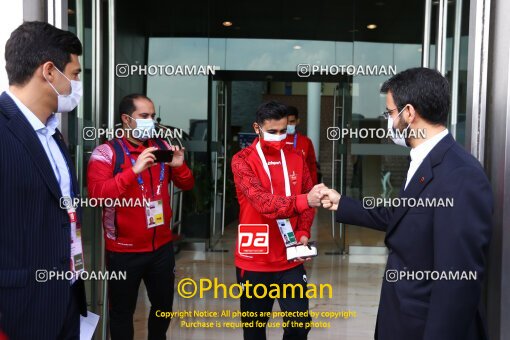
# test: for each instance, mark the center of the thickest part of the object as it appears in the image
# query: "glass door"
(446, 25)
(82, 20)
(87, 19)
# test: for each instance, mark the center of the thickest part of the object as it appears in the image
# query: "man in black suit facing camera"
(38, 236)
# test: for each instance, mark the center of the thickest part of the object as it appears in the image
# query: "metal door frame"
(218, 102)
(338, 108)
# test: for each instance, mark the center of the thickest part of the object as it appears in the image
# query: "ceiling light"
(296, 47)
(227, 23)
(372, 26)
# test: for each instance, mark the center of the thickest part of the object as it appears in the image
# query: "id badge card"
(77, 263)
(154, 214)
(286, 231)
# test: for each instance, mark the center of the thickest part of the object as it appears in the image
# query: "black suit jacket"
(433, 239)
(34, 232)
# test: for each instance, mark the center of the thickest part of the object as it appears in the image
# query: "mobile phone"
(163, 156)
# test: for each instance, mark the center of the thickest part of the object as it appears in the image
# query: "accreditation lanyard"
(288, 236)
(77, 263)
(139, 177)
(266, 168)
(295, 139)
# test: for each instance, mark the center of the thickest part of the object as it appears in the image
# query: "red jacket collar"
(136, 149)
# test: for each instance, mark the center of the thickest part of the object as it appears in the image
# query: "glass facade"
(254, 64)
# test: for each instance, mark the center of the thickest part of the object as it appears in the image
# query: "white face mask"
(291, 129)
(397, 136)
(144, 129)
(270, 137)
(67, 103)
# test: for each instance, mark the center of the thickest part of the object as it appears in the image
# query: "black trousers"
(296, 275)
(156, 269)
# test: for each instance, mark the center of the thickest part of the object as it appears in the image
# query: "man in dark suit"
(38, 236)
(437, 251)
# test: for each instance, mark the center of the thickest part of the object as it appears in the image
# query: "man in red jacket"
(300, 142)
(273, 185)
(133, 244)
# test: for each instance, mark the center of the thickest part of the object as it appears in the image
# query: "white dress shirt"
(419, 153)
(45, 134)
(55, 156)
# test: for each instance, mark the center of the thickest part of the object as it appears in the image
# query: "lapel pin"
(422, 179)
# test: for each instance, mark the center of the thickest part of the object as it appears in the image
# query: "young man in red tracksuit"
(285, 194)
(300, 142)
(138, 239)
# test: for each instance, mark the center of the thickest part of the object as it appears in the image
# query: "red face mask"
(272, 141)
(276, 146)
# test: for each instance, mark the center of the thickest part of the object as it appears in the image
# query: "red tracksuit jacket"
(259, 206)
(305, 145)
(125, 228)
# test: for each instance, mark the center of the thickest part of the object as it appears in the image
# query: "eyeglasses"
(386, 114)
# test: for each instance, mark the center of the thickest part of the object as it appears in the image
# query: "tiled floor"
(356, 282)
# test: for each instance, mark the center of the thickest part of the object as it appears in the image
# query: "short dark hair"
(270, 110)
(127, 104)
(32, 44)
(425, 89)
(292, 111)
